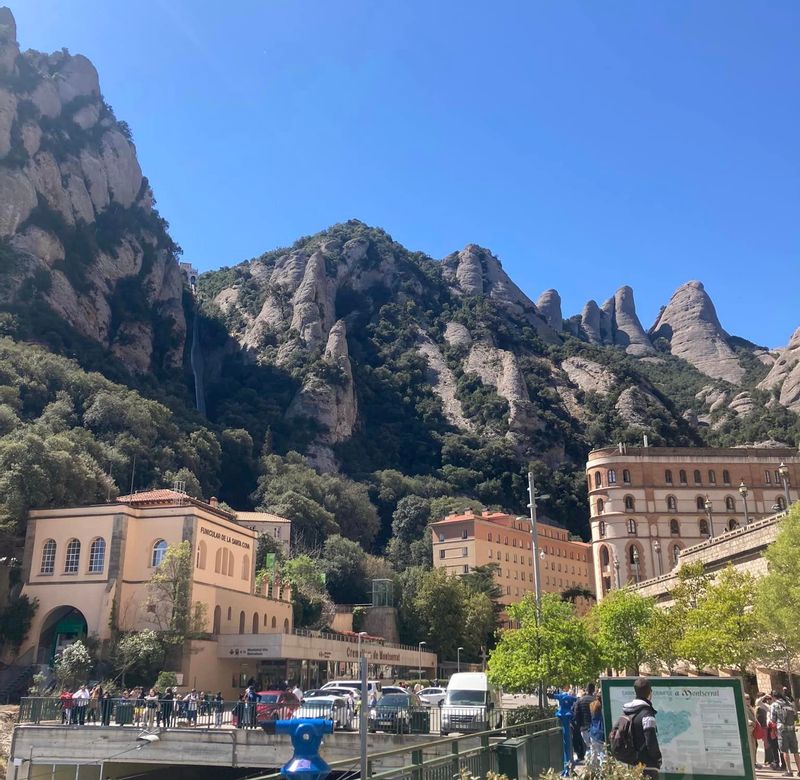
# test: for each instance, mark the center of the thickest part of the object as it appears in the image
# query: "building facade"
(462, 542)
(268, 524)
(649, 503)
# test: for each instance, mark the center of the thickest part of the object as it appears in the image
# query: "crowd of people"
(772, 722)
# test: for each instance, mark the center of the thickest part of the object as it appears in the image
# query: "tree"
(551, 646)
(343, 563)
(15, 620)
(440, 607)
(409, 527)
(480, 623)
(483, 580)
(722, 631)
(660, 639)
(72, 667)
(135, 651)
(311, 605)
(619, 621)
(268, 545)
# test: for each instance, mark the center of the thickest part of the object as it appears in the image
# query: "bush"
(166, 680)
(528, 714)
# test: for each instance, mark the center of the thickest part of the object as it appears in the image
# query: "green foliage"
(135, 653)
(168, 597)
(343, 563)
(166, 680)
(551, 645)
(15, 620)
(312, 606)
(618, 624)
(72, 666)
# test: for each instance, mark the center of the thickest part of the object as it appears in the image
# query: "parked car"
(400, 713)
(316, 693)
(387, 689)
(273, 705)
(471, 704)
(372, 685)
(433, 697)
(335, 708)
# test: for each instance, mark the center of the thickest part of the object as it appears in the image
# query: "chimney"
(213, 501)
(644, 440)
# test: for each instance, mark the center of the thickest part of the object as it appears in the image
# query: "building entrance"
(62, 627)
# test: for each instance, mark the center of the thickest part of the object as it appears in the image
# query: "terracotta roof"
(146, 496)
(263, 517)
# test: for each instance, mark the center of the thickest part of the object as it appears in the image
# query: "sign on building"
(701, 721)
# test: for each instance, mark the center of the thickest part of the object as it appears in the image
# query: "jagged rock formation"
(443, 381)
(549, 306)
(76, 216)
(785, 374)
(616, 324)
(689, 324)
(635, 406)
(588, 375)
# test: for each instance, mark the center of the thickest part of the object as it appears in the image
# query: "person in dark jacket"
(643, 727)
(582, 716)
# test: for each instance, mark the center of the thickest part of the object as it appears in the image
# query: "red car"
(276, 705)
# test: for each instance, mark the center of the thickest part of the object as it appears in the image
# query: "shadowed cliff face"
(78, 231)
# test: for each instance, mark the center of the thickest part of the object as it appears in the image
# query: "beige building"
(649, 503)
(267, 524)
(462, 542)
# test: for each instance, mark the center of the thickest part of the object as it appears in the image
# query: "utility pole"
(537, 582)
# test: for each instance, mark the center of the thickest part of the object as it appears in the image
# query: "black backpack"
(621, 744)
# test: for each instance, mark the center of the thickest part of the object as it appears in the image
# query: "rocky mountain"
(83, 251)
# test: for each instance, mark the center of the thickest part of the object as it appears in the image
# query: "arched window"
(612, 477)
(672, 504)
(217, 619)
(255, 622)
(246, 567)
(600, 506)
(682, 476)
(218, 561)
(712, 477)
(159, 551)
(632, 527)
(48, 557)
(286, 626)
(97, 556)
(230, 613)
(698, 477)
(241, 622)
(780, 501)
(604, 556)
(230, 564)
(726, 476)
(201, 555)
(668, 476)
(732, 524)
(626, 476)
(629, 503)
(674, 527)
(489, 537)
(274, 622)
(601, 528)
(73, 557)
(676, 551)
(701, 503)
(265, 620)
(730, 504)
(598, 479)
(703, 523)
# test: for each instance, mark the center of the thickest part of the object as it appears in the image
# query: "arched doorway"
(63, 626)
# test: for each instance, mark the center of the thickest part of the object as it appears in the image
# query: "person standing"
(219, 705)
(94, 704)
(80, 700)
(297, 692)
(644, 733)
(597, 731)
(582, 716)
(106, 708)
(150, 706)
(66, 706)
(784, 715)
(191, 700)
(251, 699)
(763, 701)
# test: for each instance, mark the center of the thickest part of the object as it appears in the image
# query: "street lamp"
(657, 549)
(458, 658)
(783, 470)
(361, 635)
(537, 579)
(419, 662)
(710, 516)
(636, 563)
(743, 492)
(616, 569)
(363, 673)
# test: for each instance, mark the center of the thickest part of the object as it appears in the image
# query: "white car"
(433, 697)
(386, 690)
(335, 708)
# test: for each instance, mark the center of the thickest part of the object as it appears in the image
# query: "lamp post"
(363, 672)
(636, 563)
(743, 492)
(537, 580)
(458, 659)
(783, 470)
(419, 661)
(710, 516)
(616, 569)
(657, 549)
(361, 635)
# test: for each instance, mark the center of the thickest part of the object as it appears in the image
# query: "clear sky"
(588, 144)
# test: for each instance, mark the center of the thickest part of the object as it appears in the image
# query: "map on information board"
(702, 726)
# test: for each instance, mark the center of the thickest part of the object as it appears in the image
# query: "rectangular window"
(491, 553)
(441, 537)
(777, 477)
(515, 557)
(768, 477)
(464, 552)
(466, 569)
(441, 553)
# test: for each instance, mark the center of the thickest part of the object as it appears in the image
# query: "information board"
(702, 724)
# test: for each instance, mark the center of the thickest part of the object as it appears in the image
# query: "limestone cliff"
(689, 324)
(784, 376)
(78, 231)
(616, 324)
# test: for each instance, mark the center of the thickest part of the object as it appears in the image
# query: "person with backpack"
(634, 738)
(597, 731)
(784, 715)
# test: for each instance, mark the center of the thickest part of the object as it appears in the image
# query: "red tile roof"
(149, 496)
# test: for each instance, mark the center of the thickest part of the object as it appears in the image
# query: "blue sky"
(588, 144)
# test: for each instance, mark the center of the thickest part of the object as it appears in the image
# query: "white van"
(471, 703)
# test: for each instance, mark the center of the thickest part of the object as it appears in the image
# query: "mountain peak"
(690, 324)
(616, 324)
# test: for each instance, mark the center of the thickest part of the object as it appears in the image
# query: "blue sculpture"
(306, 734)
(564, 714)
